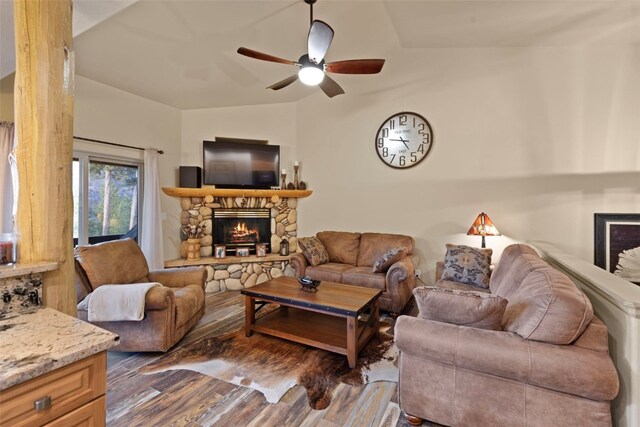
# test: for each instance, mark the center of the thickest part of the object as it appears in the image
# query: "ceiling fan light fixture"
(310, 75)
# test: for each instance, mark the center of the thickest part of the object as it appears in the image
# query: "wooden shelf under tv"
(232, 192)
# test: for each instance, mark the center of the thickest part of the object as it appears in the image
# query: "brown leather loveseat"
(351, 257)
(548, 366)
(171, 310)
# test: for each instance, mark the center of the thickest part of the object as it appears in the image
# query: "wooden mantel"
(226, 192)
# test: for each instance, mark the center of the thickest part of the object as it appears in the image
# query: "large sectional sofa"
(351, 257)
(547, 366)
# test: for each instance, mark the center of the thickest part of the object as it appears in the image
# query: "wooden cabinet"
(69, 396)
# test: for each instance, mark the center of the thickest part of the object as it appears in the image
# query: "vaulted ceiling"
(182, 53)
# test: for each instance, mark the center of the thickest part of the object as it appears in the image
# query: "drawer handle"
(43, 403)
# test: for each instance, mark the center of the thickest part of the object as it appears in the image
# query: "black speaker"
(190, 176)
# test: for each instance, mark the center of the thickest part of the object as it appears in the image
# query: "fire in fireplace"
(238, 228)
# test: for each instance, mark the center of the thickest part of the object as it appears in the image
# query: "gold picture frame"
(242, 251)
(261, 249)
(220, 251)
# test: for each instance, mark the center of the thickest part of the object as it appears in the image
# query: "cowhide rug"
(272, 366)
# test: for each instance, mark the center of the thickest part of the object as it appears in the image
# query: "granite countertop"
(37, 342)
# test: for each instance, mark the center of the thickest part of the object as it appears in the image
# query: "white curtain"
(151, 230)
(7, 184)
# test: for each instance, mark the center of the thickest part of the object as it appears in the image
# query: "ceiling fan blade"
(355, 66)
(284, 83)
(330, 87)
(319, 40)
(263, 56)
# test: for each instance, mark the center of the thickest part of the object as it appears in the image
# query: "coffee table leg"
(249, 315)
(376, 318)
(352, 333)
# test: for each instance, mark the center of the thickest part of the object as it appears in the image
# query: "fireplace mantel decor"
(230, 192)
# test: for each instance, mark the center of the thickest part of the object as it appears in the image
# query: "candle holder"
(8, 248)
(283, 181)
(296, 180)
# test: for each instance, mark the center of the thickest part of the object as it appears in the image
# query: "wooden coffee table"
(330, 319)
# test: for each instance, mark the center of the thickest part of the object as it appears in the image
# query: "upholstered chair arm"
(400, 281)
(158, 298)
(179, 277)
(564, 368)
(299, 263)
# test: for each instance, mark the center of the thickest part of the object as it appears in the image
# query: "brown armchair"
(171, 310)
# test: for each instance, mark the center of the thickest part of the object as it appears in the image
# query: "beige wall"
(540, 139)
(105, 113)
(6, 98)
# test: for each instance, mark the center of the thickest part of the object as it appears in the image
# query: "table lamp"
(483, 226)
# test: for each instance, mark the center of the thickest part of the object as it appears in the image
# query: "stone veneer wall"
(239, 275)
(236, 276)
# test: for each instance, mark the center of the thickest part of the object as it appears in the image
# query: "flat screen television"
(240, 165)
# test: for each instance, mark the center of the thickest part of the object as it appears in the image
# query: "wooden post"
(44, 122)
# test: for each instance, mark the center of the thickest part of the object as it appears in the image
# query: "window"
(106, 198)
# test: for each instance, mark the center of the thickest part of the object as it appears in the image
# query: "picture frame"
(617, 244)
(261, 249)
(220, 251)
(242, 251)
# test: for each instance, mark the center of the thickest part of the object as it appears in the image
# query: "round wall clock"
(404, 140)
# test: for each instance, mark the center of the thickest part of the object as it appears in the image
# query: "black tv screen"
(240, 165)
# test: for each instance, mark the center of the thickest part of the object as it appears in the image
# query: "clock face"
(404, 140)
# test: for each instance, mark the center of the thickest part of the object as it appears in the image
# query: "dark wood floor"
(187, 398)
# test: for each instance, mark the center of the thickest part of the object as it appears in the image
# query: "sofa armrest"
(299, 263)
(179, 277)
(159, 298)
(564, 368)
(400, 281)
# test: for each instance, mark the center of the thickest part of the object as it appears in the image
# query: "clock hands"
(401, 140)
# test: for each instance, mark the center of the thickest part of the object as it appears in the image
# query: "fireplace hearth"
(242, 228)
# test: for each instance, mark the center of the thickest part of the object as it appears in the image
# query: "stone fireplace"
(241, 227)
(277, 219)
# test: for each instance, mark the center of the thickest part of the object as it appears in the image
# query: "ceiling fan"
(312, 67)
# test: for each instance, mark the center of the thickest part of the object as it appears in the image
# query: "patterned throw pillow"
(313, 250)
(467, 265)
(465, 308)
(392, 256)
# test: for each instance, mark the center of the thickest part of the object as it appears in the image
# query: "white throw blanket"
(113, 303)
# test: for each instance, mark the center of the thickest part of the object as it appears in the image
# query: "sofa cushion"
(467, 265)
(548, 307)
(389, 258)
(374, 245)
(466, 308)
(341, 246)
(362, 276)
(330, 272)
(96, 261)
(510, 253)
(512, 277)
(448, 284)
(313, 250)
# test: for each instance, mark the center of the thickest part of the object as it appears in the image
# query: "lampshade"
(483, 226)
(311, 75)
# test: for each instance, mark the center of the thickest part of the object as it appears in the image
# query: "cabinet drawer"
(68, 387)
(90, 415)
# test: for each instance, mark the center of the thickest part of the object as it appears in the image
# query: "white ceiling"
(182, 53)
